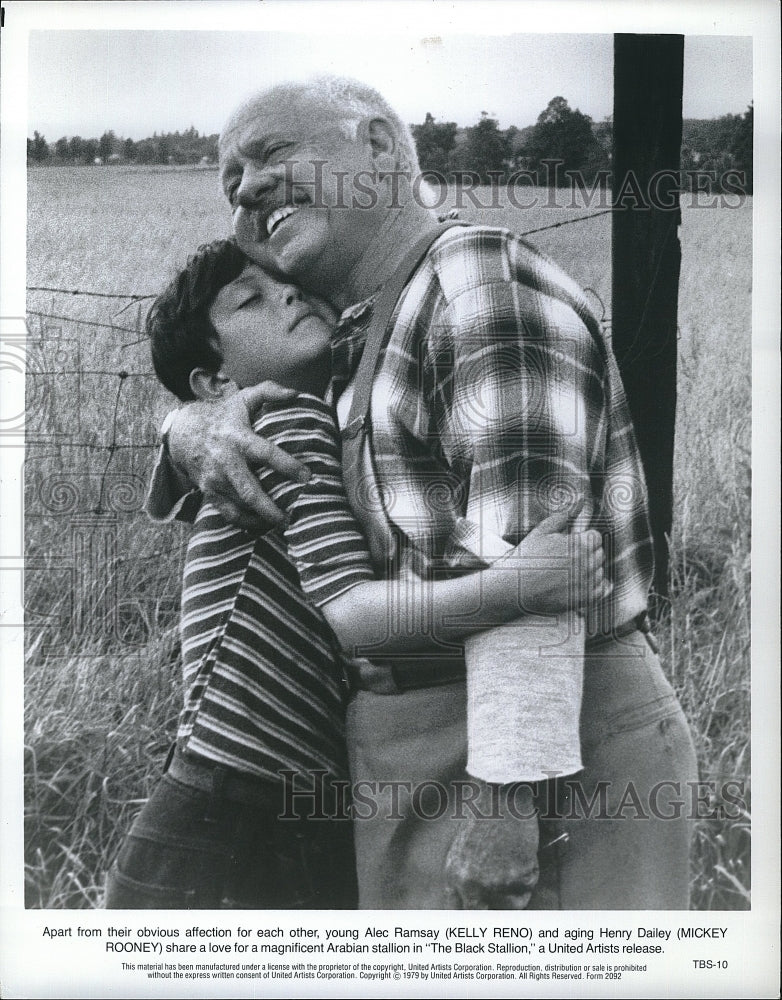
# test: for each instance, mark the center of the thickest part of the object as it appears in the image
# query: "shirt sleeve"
(167, 498)
(323, 538)
(516, 412)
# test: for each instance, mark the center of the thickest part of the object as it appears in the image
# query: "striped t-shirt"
(262, 673)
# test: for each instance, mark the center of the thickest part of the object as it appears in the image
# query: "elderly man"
(495, 400)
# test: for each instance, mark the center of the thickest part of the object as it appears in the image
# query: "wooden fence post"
(646, 257)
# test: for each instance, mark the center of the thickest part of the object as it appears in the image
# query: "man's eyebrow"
(258, 149)
(253, 149)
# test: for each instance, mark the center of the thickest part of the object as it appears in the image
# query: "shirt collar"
(347, 343)
(350, 335)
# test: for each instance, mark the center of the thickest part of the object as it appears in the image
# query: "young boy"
(262, 715)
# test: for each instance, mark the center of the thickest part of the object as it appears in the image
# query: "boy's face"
(270, 330)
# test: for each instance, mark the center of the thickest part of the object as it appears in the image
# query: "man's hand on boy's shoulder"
(215, 446)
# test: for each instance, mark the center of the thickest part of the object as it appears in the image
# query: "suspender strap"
(379, 330)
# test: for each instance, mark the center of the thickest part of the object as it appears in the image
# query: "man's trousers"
(616, 836)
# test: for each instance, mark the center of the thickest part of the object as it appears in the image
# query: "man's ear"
(210, 386)
(379, 134)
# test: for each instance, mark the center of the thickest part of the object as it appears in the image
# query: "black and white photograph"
(390, 496)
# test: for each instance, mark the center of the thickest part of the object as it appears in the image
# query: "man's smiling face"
(290, 180)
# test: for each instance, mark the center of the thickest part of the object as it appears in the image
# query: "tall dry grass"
(102, 674)
(706, 635)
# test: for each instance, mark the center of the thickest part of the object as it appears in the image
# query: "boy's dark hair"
(181, 334)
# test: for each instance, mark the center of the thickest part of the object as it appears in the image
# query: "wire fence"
(95, 587)
(89, 510)
(112, 445)
(94, 295)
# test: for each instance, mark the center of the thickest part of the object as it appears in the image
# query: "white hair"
(340, 101)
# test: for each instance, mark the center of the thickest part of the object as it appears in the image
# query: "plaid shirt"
(497, 403)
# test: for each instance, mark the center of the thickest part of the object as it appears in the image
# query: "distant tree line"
(562, 142)
(711, 147)
(177, 148)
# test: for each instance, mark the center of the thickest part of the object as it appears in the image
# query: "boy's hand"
(215, 446)
(558, 571)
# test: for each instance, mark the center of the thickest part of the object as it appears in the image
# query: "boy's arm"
(392, 617)
(170, 496)
(547, 574)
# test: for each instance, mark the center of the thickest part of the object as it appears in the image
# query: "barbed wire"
(94, 446)
(604, 320)
(137, 297)
(113, 446)
(95, 295)
(93, 371)
(86, 322)
(568, 222)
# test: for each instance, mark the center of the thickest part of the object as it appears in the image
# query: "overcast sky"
(138, 82)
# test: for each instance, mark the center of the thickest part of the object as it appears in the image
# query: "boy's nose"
(290, 294)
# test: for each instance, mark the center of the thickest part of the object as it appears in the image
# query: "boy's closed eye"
(251, 299)
(269, 330)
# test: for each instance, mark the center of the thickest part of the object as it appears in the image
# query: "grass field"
(102, 587)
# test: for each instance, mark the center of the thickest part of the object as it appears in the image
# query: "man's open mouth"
(279, 215)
